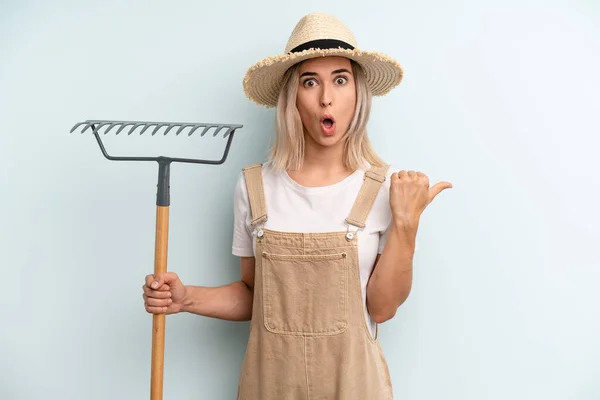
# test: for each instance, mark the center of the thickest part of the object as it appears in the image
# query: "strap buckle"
(350, 235)
(258, 225)
(375, 176)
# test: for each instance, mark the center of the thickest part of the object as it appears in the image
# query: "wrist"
(405, 229)
(187, 302)
(406, 223)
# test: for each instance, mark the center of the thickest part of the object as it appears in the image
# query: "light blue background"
(500, 98)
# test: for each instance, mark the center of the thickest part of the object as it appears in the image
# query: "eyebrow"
(337, 71)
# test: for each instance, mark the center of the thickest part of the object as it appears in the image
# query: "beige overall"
(308, 335)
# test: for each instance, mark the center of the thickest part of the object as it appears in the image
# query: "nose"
(326, 97)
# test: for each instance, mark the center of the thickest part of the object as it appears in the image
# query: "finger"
(161, 279)
(437, 188)
(148, 280)
(411, 174)
(150, 302)
(402, 174)
(163, 288)
(157, 294)
(156, 310)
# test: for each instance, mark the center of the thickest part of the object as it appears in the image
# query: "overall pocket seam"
(343, 286)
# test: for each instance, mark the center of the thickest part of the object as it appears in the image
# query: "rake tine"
(206, 129)
(182, 128)
(112, 125)
(217, 130)
(89, 123)
(171, 126)
(146, 127)
(76, 126)
(231, 128)
(134, 128)
(193, 130)
(158, 127)
(97, 128)
(123, 126)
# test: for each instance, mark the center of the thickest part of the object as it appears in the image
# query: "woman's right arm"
(232, 302)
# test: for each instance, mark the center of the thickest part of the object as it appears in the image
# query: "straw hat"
(319, 35)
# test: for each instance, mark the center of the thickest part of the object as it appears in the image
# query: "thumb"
(162, 278)
(437, 188)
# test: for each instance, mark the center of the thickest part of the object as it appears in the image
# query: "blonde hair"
(288, 150)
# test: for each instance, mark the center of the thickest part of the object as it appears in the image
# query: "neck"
(321, 166)
(328, 159)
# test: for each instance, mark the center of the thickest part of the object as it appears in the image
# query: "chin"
(327, 140)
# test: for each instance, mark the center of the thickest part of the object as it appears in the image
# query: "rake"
(162, 208)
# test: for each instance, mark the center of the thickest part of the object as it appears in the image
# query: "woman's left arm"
(391, 280)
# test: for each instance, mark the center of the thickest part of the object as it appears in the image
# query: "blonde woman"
(325, 229)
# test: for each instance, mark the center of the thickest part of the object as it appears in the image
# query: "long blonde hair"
(288, 150)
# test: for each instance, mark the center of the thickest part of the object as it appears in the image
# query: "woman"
(325, 230)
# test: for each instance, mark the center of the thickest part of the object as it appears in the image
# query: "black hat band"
(322, 44)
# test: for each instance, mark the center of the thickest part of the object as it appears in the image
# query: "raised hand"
(410, 194)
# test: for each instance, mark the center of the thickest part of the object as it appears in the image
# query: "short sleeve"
(383, 235)
(382, 239)
(242, 245)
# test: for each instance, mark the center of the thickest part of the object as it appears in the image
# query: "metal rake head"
(97, 125)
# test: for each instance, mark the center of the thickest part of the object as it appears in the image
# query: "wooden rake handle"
(158, 320)
(161, 248)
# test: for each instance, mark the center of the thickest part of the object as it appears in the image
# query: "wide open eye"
(311, 82)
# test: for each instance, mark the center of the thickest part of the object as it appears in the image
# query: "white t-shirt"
(295, 208)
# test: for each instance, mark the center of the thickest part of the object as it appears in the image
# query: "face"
(326, 99)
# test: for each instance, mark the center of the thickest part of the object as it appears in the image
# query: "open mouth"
(328, 124)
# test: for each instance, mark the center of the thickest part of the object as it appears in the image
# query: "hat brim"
(263, 80)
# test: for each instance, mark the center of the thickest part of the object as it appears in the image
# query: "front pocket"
(305, 294)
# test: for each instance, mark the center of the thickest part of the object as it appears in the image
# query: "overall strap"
(373, 180)
(256, 194)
